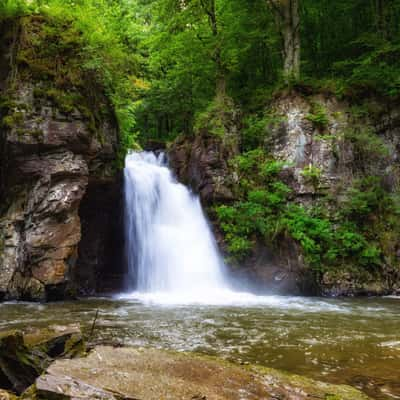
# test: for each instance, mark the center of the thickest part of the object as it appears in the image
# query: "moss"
(217, 119)
(74, 346)
(30, 393)
(13, 120)
(318, 116)
(312, 175)
(50, 51)
(51, 54)
(37, 133)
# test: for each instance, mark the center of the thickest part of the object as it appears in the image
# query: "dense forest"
(174, 69)
(164, 62)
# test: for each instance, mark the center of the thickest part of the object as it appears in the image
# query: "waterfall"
(170, 247)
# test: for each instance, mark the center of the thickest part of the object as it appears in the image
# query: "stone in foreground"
(23, 357)
(64, 387)
(150, 374)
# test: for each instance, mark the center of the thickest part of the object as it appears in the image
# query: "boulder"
(23, 357)
(19, 366)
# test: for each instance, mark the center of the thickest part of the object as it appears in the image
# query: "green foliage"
(215, 118)
(365, 199)
(368, 147)
(312, 175)
(12, 8)
(247, 162)
(166, 58)
(256, 128)
(318, 116)
(328, 239)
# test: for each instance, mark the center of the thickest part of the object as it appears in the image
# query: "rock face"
(202, 161)
(314, 136)
(279, 270)
(55, 141)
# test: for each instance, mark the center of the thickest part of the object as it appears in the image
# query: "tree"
(209, 8)
(288, 22)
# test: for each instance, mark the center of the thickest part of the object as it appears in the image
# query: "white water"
(170, 248)
(171, 252)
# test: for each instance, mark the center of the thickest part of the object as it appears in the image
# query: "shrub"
(318, 116)
(312, 175)
(368, 147)
(327, 240)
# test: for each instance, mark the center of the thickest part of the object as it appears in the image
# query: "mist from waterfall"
(170, 248)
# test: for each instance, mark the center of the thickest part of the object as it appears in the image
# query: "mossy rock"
(24, 357)
(57, 341)
(49, 59)
(19, 366)
(5, 395)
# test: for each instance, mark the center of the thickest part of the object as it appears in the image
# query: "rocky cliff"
(325, 147)
(58, 143)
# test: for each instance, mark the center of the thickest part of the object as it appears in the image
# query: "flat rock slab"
(62, 387)
(151, 374)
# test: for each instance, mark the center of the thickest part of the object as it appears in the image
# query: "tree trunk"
(288, 21)
(292, 39)
(381, 14)
(220, 80)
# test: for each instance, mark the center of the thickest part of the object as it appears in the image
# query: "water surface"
(354, 341)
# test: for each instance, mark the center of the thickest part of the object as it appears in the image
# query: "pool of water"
(353, 341)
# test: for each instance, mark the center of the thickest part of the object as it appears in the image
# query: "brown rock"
(51, 147)
(65, 387)
(151, 374)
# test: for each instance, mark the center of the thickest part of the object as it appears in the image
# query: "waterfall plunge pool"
(353, 341)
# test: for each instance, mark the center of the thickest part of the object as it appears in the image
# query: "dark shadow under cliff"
(101, 265)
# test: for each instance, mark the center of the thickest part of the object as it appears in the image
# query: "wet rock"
(353, 283)
(156, 374)
(23, 357)
(57, 340)
(19, 367)
(277, 271)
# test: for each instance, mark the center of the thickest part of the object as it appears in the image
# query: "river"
(353, 341)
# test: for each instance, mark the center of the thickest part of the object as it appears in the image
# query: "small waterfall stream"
(170, 247)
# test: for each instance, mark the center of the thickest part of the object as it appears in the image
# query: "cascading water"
(170, 248)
